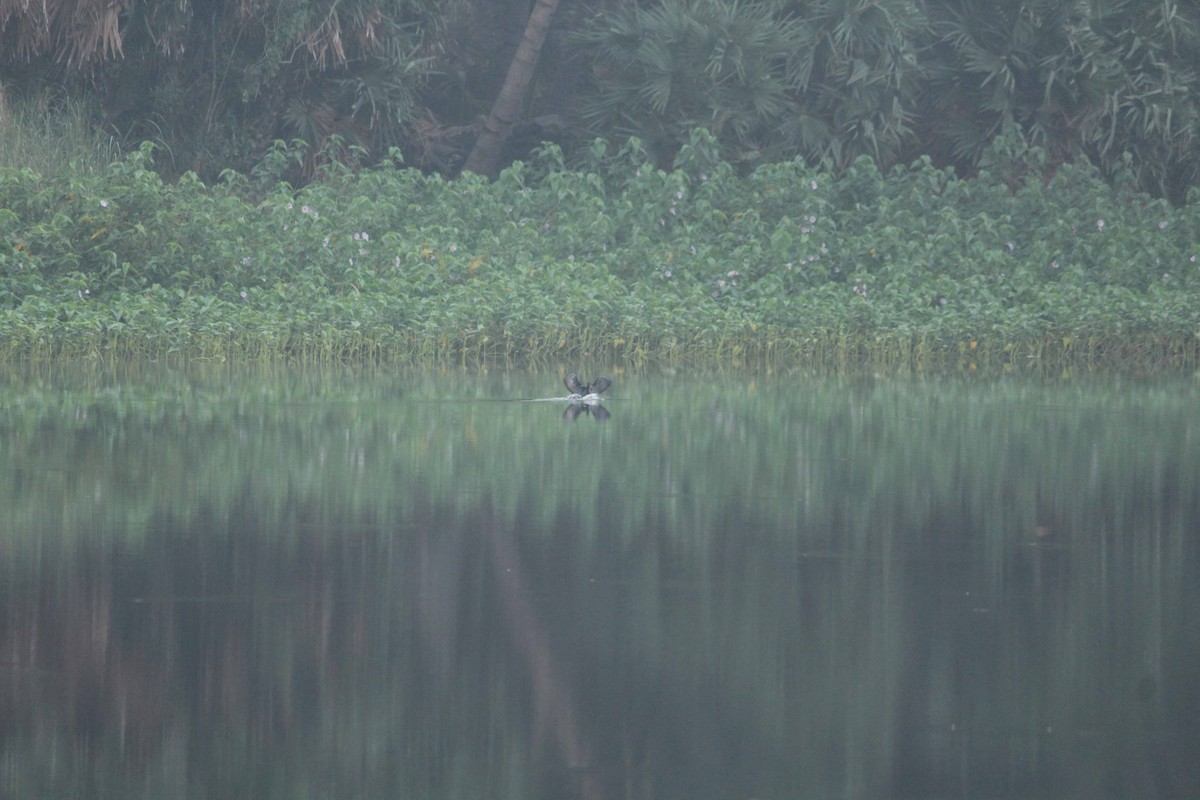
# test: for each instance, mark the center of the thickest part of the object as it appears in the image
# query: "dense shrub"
(637, 261)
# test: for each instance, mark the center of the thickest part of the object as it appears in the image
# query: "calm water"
(302, 584)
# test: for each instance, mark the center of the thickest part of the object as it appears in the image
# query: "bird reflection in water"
(585, 398)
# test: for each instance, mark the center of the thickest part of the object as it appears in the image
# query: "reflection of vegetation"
(232, 570)
(342, 446)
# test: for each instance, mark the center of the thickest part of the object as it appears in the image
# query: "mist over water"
(220, 582)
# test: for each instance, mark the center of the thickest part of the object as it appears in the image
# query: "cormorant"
(574, 386)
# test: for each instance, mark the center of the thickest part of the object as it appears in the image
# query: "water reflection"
(594, 410)
(366, 585)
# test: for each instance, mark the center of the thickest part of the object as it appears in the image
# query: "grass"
(54, 136)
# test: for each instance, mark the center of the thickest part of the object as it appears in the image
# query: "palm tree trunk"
(485, 155)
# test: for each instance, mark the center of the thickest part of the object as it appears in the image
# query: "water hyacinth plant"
(916, 266)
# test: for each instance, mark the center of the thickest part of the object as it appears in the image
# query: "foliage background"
(217, 82)
(913, 266)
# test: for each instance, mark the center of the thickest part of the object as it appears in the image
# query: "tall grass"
(53, 134)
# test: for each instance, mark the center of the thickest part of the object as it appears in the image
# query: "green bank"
(609, 257)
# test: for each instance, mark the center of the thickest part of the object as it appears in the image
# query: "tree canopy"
(1112, 81)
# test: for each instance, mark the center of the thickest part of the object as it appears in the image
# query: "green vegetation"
(217, 83)
(824, 80)
(907, 183)
(214, 83)
(915, 267)
(54, 136)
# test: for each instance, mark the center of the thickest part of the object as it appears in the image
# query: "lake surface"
(286, 583)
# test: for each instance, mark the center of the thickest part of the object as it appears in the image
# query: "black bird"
(574, 386)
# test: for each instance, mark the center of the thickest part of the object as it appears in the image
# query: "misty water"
(224, 582)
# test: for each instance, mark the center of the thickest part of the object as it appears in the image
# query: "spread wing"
(600, 384)
(573, 384)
